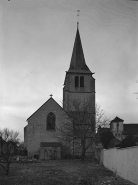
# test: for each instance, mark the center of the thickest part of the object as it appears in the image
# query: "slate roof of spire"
(77, 59)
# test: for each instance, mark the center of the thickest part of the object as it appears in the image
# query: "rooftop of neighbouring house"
(130, 129)
(103, 129)
(117, 119)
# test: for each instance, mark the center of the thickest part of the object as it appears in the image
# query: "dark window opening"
(82, 81)
(51, 121)
(76, 81)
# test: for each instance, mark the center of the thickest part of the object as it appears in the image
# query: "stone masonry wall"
(86, 93)
(36, 129)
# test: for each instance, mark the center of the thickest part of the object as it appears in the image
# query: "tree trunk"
(83, 156)
(8, 167)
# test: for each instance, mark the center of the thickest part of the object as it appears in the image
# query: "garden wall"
(122, 161)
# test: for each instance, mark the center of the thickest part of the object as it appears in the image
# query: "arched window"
(82, 81)
(51, 119)
(76, 81)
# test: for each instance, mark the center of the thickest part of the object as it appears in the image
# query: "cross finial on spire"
(51, 95)
(78, 18)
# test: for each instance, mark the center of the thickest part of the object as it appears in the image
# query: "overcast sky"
(36, 43)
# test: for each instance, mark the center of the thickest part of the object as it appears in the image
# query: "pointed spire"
(77, 59)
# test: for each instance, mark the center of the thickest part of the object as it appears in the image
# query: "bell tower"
(79, 83)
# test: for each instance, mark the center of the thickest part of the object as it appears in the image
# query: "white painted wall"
(122, 161)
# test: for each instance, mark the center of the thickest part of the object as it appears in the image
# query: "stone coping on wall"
(117, 148)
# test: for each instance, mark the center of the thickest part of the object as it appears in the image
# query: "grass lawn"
(59, 172)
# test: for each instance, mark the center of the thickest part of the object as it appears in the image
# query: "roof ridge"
(43, 105)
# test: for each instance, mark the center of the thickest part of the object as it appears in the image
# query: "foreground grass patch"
(59, 172)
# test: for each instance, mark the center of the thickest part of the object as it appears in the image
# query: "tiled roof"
(117, 119)
(104, 129)
(130, 129)
(50, 144)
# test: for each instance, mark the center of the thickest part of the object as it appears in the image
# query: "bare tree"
(101, 119)
(9, 141)
(78, 125)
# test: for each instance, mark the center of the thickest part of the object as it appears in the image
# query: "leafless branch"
(9, 139)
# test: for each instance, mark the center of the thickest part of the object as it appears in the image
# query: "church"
(40, 133)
